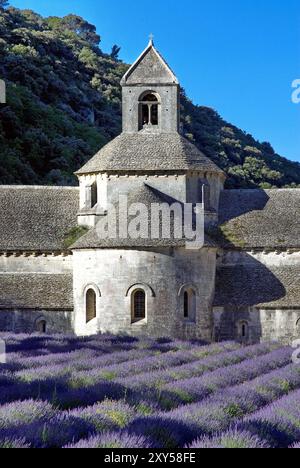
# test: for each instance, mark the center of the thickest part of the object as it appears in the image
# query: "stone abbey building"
(243, 283)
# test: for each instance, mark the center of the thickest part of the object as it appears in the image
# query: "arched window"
(91, 305)
(148, 109)
(138, 305)
(41, 326)
(243, 330)
(189, 305)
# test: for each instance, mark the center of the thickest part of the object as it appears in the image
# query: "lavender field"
(121, 392)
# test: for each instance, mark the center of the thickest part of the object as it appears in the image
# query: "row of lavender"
(123, 392)
(274, 426)
(67, 386)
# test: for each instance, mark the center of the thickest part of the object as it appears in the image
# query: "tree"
(89, 58)
(267, 147)
(82, 28)
(115, 52)
(4, 3)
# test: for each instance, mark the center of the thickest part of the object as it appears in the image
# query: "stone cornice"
(26, 254)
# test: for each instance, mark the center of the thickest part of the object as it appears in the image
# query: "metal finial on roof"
(151, 37)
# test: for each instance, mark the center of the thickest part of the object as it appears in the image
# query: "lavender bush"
(196, 389)
(13, 444)
(25, 412)
(109, 415)
(278, 423)
(114, 440)
(156, 380)
(233, 439)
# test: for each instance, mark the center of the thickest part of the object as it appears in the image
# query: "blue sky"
(238, 56)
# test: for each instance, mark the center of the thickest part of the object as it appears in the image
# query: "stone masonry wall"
(25, 321)
(263, 323)
(115, 274)
(168, 109)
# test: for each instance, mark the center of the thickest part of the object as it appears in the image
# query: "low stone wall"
(280, 325)
(26, 321)
(260, 325)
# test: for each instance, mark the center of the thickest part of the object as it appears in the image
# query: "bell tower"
(150, 95)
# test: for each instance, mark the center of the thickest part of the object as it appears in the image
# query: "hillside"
(64, 103)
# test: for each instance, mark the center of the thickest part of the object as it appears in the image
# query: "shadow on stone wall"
(25, 320)
(241, 290)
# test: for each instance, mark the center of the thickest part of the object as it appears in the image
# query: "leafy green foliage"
(73, 235)
(247, 162)
(115, 52)
(64, 104)
(3, 3)
(63, 97)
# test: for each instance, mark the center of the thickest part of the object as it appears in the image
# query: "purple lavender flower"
(163, 431)
(60, 391)
(232, 439)
(14, 444)
(55, 433)
(109, 415)
(25, 412)
(87, 396)
(196, 389)
(296, 446)
(277, 423)
(113, 440)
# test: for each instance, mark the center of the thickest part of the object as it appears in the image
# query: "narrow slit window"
(186, 305)
(243, 332)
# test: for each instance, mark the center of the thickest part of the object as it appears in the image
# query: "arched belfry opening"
(149, 104)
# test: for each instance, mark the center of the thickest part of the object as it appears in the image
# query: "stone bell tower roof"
(144, 152)
(151, 140)
(150, 68)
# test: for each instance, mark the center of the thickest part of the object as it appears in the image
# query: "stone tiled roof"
(149, 152)
(36, 291)
(147, 196)
(260, 218)
(257, 285)
(36, 218)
